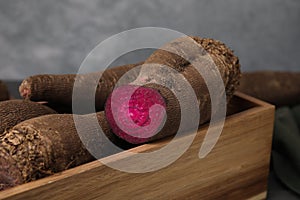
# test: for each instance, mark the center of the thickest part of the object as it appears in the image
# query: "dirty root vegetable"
(57, 90)
(39, 147)
(4, 94)
(13, 112)
(226, 63)
(276, 87)
(48, 144)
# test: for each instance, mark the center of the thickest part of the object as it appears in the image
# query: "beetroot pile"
(37, 141)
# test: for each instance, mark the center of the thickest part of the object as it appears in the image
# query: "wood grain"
(237, 168)
(260, 196)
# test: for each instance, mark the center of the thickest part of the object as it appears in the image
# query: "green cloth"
(286, 147)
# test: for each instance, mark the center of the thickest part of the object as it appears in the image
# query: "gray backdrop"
(54, 36)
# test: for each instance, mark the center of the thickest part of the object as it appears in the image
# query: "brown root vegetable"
(275, 87)
(4, 94)
(48, 144)
(219, 54)
(58, 89)
(13, 112)
(226, 63)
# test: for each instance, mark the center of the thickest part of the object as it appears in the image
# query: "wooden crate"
(237, 167)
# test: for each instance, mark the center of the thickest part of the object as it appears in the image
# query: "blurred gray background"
(54, 36)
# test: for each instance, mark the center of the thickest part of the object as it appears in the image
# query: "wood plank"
(237, 168)
(261, 196)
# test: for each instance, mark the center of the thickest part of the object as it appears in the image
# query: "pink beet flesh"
(135, 113)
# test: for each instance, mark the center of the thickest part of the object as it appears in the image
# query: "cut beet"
(135, 113)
